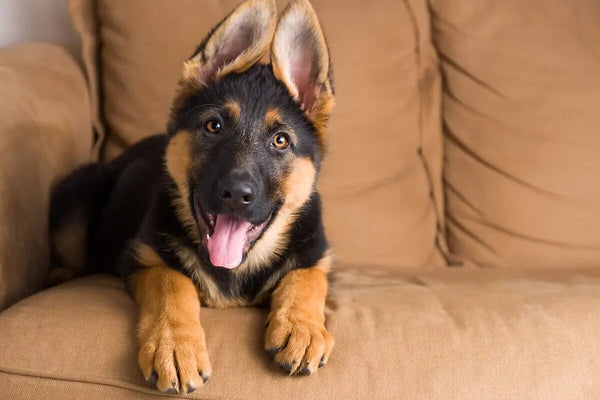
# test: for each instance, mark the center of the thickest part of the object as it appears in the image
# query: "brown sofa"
(461, 196)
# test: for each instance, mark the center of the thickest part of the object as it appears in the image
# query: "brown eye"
(213, 125)
(280, 141)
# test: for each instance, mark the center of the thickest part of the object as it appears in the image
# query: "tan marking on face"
(299, 184)
(178, 162)
(272, 118)
(297, 188)
(234, 110)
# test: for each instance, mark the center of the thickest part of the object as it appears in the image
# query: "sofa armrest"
(45, 131)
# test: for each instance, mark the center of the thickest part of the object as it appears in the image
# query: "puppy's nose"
(237, 192)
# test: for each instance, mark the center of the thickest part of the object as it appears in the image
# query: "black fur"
(130, 200)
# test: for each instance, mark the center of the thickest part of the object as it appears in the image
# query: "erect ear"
(300, 59)
(235, 44)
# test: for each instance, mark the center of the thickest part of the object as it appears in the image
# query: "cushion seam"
(89, 35)
(440, 235)
(112, 383)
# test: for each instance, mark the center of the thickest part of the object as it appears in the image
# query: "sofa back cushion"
(521, 112)
(381, 182)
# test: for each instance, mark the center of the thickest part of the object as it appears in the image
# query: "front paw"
(173, 356)
(299, 343)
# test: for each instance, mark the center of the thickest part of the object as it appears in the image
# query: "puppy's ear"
(300, 59)
(235, 44)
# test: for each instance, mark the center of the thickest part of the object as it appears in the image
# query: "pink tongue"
(226, 245)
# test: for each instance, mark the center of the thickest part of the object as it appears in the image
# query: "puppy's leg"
(296, 334)
(172, 345)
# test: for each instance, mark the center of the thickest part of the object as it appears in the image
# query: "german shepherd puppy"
(222, 211)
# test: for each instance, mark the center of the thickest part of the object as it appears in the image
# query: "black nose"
(237, 192)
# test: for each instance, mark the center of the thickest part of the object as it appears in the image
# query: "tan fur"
(264, 295)
(208, 291)
(262, 12)
(172, 341)
(234, 109)
(296, 323)
(299, 16)
(69, 242)
(191, 71)
(298, 187)
(299, 184)
(319, 115)
(147, 256)
(272, 117)
(178, 162)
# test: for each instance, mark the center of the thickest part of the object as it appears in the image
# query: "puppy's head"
(247, 139)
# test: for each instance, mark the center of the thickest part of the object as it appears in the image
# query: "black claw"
(304, 371)
(287, 367)
(173, 388)
(204, 377)
(272, 352)
(152, 378)
(322, 362)
(190, 388)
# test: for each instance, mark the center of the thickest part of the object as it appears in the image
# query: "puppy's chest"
(224, 288)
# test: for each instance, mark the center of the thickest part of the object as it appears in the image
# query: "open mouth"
(227, 237)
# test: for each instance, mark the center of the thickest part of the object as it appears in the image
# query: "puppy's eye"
(280, 141)
(213, 125)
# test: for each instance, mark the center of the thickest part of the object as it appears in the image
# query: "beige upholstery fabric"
(382, 198)
(414, 334)
(521, 112)
(87, 28)
(44, 133)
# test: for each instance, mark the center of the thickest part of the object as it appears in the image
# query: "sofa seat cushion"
(455, 333)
